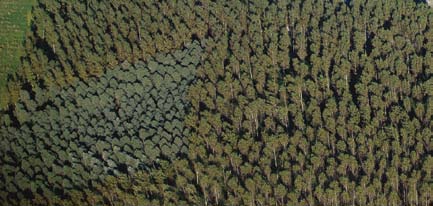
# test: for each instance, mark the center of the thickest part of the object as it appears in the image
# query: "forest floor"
(15, 17)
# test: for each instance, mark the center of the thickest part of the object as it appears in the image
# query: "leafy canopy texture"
(128, 119)
(312, 102)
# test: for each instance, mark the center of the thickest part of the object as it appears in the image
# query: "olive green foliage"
(313, 103)
(294, 102)
(15, 16)
(128, 119)
(79, 39)
(317, 103)
(141, 188)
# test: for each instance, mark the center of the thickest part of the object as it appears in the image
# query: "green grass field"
(15, 18)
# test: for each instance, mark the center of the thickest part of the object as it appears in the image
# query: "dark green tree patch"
(110, 125)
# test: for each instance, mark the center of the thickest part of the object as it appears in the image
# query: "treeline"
(294, 103)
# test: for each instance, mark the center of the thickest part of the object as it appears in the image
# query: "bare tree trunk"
(302, 101)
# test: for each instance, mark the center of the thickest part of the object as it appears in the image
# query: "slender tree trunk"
(302, 101)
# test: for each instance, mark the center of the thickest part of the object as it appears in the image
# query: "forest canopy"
(244, 102)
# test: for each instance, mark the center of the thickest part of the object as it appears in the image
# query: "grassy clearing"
(15, 18)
